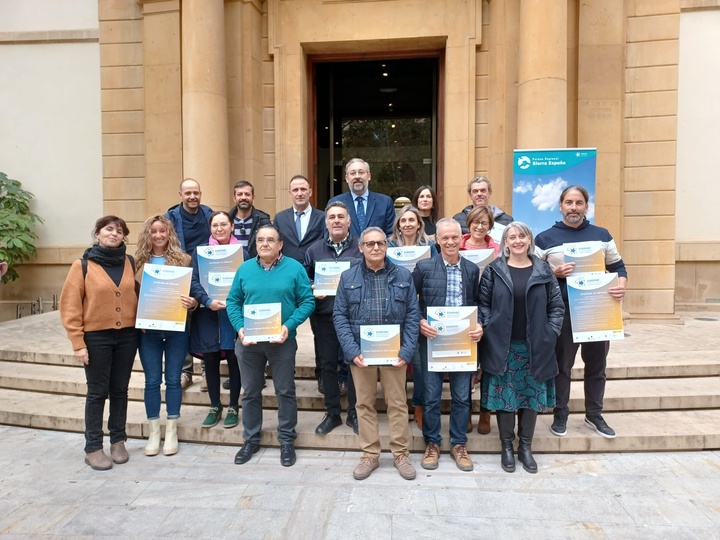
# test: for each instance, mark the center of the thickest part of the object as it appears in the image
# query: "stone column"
(542, 80)
(204, 100)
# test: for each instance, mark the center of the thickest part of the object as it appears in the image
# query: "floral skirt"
(516, 388)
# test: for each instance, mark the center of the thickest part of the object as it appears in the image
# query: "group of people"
(523, 333)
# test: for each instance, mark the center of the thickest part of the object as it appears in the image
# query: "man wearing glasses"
(367, 209)
(247, 219)
(480, 191)
(269, 278)
(376, 292)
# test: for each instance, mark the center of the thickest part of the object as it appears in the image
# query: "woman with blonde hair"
(409, 230)
(158, 243)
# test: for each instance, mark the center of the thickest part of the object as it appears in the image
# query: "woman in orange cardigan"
(98, 304)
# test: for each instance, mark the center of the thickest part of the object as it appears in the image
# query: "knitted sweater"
(95, 303)
(287, 283)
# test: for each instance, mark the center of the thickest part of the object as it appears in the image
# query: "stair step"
(620, 395)
(637, 431)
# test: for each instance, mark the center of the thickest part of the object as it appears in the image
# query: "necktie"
(298, 225)
(361, 213)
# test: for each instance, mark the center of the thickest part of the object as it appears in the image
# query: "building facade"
(264, 89)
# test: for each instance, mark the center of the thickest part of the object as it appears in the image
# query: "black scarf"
(106, 257)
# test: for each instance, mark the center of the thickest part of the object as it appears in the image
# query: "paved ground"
(47, 490)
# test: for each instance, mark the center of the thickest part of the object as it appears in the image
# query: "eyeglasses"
(478, 224)
(372, 243)
(268, 240)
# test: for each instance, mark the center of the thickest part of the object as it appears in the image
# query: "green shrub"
(17, 238)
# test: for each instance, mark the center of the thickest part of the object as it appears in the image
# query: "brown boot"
(470, 425)
(484, 423)
(98, 460)
(118, 453)
(418, 416)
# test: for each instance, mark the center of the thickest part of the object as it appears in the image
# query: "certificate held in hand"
(380, 344)
(408, 256)
(587, 256)
(452, 349)
(263, 322)
(159, 306)
(327, 277)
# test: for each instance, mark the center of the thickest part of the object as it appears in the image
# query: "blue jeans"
(153, 343)
(460, 408)
(111, 354)
(253, 359)
(419, 363)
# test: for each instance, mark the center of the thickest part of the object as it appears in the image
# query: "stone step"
(620, 395)
(637, 366)
(637, 431)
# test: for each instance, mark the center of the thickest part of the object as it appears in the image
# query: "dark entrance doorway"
(383, 111)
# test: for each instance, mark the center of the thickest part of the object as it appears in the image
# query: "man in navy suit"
(301, 225)
(367, 209)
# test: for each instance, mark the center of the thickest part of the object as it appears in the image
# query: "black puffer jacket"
(544, 308)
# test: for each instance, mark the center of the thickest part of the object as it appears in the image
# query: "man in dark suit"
(367, 209)
(301, 225)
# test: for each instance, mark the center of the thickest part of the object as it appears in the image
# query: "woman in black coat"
(522, 313)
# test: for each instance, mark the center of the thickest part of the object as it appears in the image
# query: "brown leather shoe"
(404, 467)
(418, 416)
(366, 466)
(460, 455)
(118, 453)
(98, 460)
(185, 380)
(431, 457)
(484, 423)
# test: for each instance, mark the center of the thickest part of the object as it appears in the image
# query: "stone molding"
(87, 35)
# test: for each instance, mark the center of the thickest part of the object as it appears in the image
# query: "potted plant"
(17, 238)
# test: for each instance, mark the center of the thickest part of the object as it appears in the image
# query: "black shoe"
(343, 388)
(507, 457)
(226, 384)
(559, 426)
(246, 452)
(597, 423)
(287, 455)
(352, 422)
(321, 388)
(330, 422)
(526, 458)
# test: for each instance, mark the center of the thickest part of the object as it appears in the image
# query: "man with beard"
(246, 218)
(574, 228)
(367, 209)
(480, 191)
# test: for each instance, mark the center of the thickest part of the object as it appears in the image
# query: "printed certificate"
(497, 231)
(216, 268)
(594, 314)
(159, 306)
(380, 344)
(587, 256)
(481, 257)
(408, 256)
(327, 277)
(263, 322)
(452, 349)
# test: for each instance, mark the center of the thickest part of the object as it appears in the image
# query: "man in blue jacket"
(376, 292)
(367, 209)
(338, 245)
(446, 280)
(192, 225)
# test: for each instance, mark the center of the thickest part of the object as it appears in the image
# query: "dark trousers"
(327, 350)
(212, 374)
(594, 356)
(111, 354)
(253, 359)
